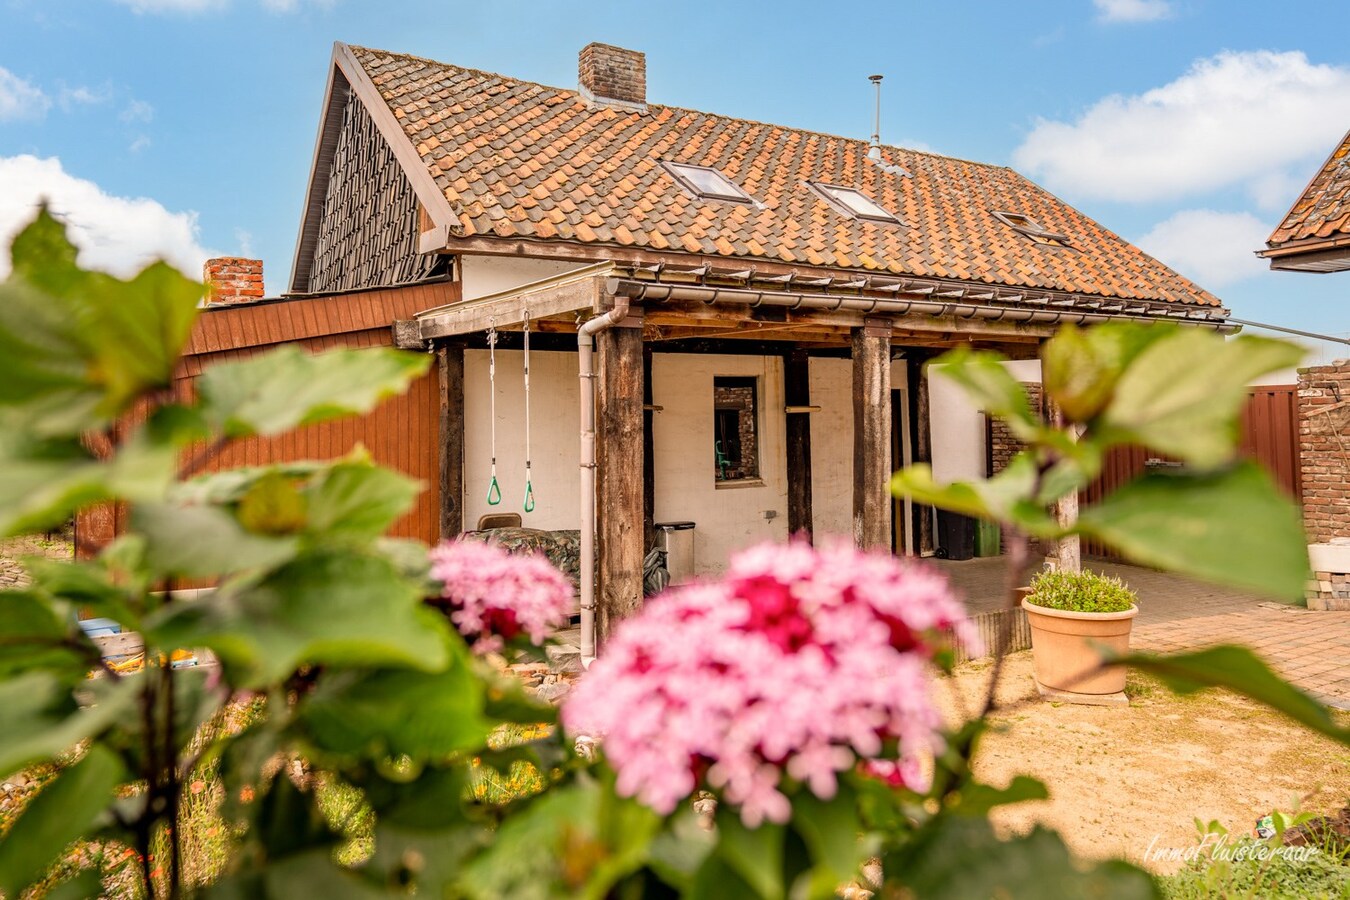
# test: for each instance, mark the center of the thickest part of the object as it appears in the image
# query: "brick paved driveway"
(1311, 649)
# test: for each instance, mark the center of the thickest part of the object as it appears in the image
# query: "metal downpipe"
(586, 372)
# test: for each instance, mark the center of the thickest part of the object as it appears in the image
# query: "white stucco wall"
(483, 275)
(555, 412)
(727, 518)
(832, 444)
(958, 428)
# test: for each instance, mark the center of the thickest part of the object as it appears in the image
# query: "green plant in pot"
(1073, 617)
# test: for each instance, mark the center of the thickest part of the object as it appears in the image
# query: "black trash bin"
(956, 535)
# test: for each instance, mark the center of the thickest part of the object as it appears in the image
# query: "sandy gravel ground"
(1122, 779)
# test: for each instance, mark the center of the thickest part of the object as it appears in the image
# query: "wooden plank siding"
(402, 433)
(1269, 436)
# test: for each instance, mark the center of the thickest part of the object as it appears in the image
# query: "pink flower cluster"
(799, 661)
(493, 596)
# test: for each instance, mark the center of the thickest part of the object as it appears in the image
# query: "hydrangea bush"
(494, 598)
(796, 665)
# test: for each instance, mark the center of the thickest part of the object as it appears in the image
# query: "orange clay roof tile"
(1323, 210)
(590, 175)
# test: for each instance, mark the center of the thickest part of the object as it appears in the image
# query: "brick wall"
(233, 279)
(613, 73)
(1002, 446)
(740, 399)
(1324, 444)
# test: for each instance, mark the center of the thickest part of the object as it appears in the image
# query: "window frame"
(673, 168)
(753, 383)
(824, 189)
(1025, 225)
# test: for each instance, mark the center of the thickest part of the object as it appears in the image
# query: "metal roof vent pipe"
(874, 152)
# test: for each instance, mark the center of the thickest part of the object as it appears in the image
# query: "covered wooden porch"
(649, 311)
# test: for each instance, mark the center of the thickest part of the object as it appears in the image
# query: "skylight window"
(1033, 229)
(707, 183)
(853, 202)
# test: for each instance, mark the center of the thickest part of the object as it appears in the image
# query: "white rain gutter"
(586, 366)
(646, 291)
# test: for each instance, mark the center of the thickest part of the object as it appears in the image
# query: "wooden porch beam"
(921, 445)
(571, 293)
(797, 392)
(450, 369)
(619, 492)
(872, 435)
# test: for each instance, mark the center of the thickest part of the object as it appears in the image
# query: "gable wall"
(368, 230)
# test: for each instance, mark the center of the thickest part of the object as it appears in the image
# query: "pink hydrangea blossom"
(800, 661)
(493, 596)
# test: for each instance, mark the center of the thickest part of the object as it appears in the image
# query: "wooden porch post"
(1068, 552)
(872, 434)
(921, 448)
(797, 392)
(648, 455)
(619, 477)
(450, 368)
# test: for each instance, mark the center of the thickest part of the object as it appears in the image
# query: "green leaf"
(991, 386)
(359, 500)
(77, 348)
(34, 635)
(575, 841)
(832, 831)
(976, 799)
(1007, 497)
(272, 506)
(756, 854)
(1238, 669)
(203, 542)
(961, 857)
(421, 715)
(1184, 393)
(40, 719)
(1081, 366)
(342, 607)
(1203, 525)
(62, 812)
(285, 388)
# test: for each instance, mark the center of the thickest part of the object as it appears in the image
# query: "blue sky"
(185, 127)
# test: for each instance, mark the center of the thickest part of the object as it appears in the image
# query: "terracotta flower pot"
(1062, 647)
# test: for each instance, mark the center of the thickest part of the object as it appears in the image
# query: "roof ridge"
(686, 109)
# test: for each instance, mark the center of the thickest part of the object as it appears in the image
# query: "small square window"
(735, 429)
(853, 202)
(707, 183)
(1033, 229)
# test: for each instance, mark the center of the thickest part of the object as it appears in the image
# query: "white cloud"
(137, 111)
(243, 238)
(1213, 248)
(1132, 10)
(190, 7)
(83, 95)
(142, 141)
(173, 6)
(118, 234)
(1232, 119)
(20, 99)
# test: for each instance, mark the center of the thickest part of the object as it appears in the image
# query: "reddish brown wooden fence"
(401, 433)
(1269, 436)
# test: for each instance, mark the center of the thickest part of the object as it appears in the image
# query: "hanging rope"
(494, 495)
(529, 485)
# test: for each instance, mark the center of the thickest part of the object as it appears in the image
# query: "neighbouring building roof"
(1315, 233)
(519, 161)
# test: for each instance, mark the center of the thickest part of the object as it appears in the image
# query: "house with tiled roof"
(1314, 236)
(661, 315)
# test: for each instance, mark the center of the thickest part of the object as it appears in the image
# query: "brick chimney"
(613, 76)
(233, 279)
